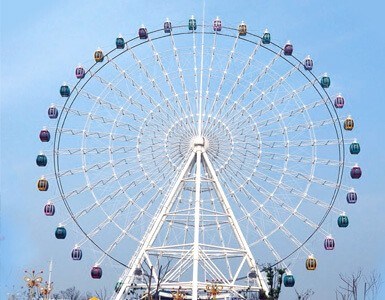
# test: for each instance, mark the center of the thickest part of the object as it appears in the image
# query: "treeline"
(73, 293)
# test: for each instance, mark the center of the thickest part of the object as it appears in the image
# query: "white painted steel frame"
(197, 158)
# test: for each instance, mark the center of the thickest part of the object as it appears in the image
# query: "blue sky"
(42, 42)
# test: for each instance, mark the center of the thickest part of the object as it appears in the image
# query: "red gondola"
(96, 272)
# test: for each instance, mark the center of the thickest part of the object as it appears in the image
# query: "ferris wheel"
(201, 151)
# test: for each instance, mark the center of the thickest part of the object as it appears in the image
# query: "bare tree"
(349, 288)
(56, 296)
(162, 272)
(101, 293)
(372, 285)
(71, 293)
(304, 295)
(352, 284)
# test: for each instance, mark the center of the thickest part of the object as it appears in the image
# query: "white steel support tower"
(196, 264)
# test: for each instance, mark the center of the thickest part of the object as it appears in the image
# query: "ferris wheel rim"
(62, 119)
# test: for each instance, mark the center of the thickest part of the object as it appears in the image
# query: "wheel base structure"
(196, 268)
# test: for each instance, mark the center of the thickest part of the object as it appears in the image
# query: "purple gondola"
(142, 32)
(76, 253)
(217, 24)
(339, 101)
(49, 209)
(80, 72)
(266, 38)
(351, 197)
(308, 63)
(288, 48)
(329, 243)
(53, 112)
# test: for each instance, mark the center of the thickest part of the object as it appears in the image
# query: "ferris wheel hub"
(199, 143)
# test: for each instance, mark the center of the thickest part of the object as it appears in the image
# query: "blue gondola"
(192, 23)
(288, 280)
(60, 233)
(119, 42)
(65, 90)
(354, 148)
(167, 26)
(266, 38)
(41, 160)
(343, 221)
(325, 81)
